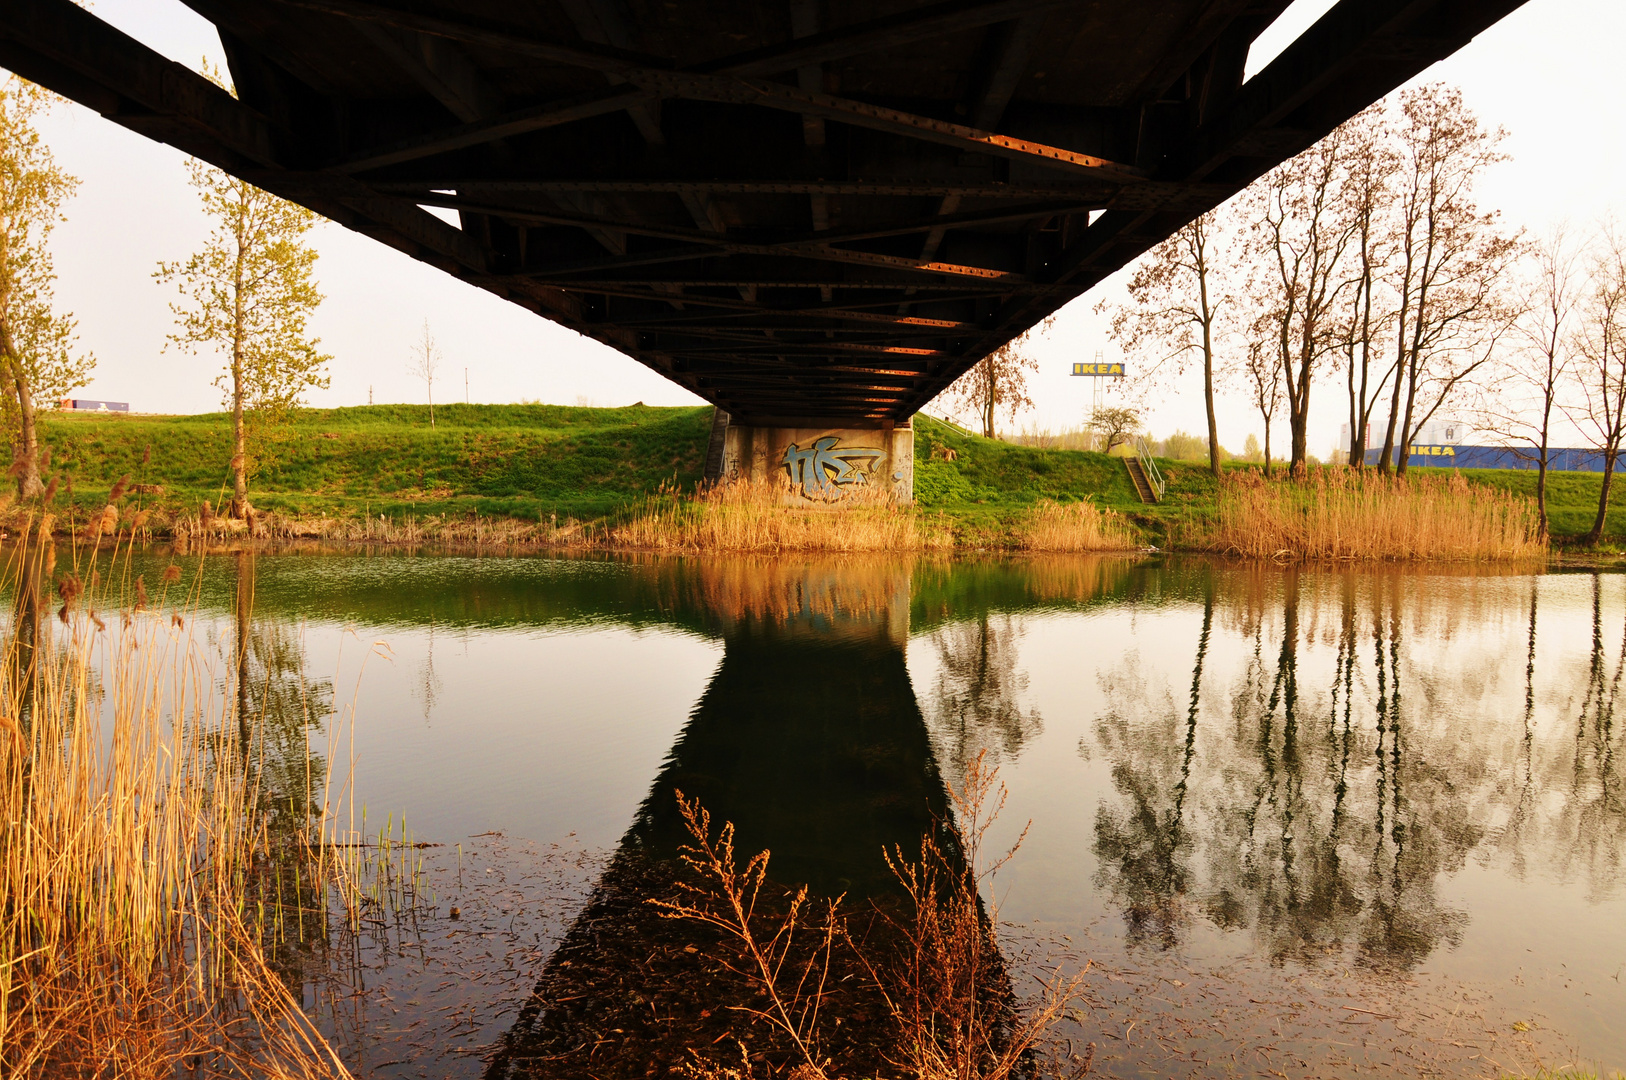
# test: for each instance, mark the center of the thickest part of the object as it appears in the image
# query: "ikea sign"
(1114, 370)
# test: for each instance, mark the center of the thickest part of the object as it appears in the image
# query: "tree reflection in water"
(976, 704)
(278, 709)
(1323, 817)
(1144, 848)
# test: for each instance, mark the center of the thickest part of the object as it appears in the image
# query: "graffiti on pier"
(822, 468)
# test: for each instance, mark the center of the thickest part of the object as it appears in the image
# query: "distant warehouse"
(85, 404)
(1440, 445)
(1447, 456)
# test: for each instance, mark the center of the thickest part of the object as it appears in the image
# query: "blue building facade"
(1446, 456)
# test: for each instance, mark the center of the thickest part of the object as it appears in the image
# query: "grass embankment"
(521, 461)
(554, 474)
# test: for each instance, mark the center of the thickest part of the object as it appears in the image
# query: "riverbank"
(542, 476)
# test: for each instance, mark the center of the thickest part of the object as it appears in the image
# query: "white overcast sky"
(1551, 73)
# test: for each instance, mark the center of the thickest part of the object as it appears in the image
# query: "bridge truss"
(794, 208)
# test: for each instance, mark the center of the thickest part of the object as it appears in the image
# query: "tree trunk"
(239, 440)
(1267, 447)
(1541, 489)
(1386, 466)
(1208, 395)
(28, 445)
(1610, 455)
(1408, 434)
(1541, 462)
(1207, 313)
(239, 437)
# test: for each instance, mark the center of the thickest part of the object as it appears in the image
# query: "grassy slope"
(530, 461)
(991, 481)
(520, 460)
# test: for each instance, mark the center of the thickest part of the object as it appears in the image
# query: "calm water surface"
(1299, 820)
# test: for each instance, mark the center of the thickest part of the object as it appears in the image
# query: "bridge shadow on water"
(810, 740)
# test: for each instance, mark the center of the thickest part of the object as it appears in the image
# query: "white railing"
(1149, 468)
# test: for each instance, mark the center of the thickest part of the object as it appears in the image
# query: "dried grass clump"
(1078, 526)
(126, 945)
(936, 970)
(1357, 514)
(751, 516)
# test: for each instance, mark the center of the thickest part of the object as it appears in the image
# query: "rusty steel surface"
(791, 207)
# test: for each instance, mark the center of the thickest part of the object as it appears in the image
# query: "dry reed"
(1348, 514)
(955, 1018)
(943, 985)
(135, 825)
(1077, 526)
(750, 516)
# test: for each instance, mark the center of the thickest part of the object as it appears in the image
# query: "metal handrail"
(1149, 467)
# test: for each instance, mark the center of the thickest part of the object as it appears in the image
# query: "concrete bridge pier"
(817, 460)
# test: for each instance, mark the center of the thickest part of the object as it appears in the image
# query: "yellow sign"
(1433, 451)
(1116, 370)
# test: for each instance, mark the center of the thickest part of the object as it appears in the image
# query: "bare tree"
(1368, 190)
(1264, 371)
(1520, 407)
(1176, 300)
(1601, 365)
(1298, 234)
(1452, 260)
(998, 383)
(426, 358)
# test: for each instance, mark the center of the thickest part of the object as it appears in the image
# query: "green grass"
(1572, 499)
(532, 461)
(524, 461)
(991, 482)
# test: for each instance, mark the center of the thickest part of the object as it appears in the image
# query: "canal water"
(1286, 820)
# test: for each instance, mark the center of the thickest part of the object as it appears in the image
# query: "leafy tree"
(1115, 424)
(1250, 449)
(250, 293)
(39, 361)
(1184, 446)
(1176, 301)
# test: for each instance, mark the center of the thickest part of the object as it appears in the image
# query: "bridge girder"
(808, 207)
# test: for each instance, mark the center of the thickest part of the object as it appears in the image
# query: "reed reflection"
(810, 740)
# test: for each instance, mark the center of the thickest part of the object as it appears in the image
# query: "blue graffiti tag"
(821, 467)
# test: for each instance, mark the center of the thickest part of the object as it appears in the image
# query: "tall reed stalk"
(752, 516)
(1078, 526)
(135, 825)
(1345, 514)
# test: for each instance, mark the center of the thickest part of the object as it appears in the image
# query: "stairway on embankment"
(1137, 476)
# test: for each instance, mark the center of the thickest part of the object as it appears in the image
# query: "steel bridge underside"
(794, 208)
